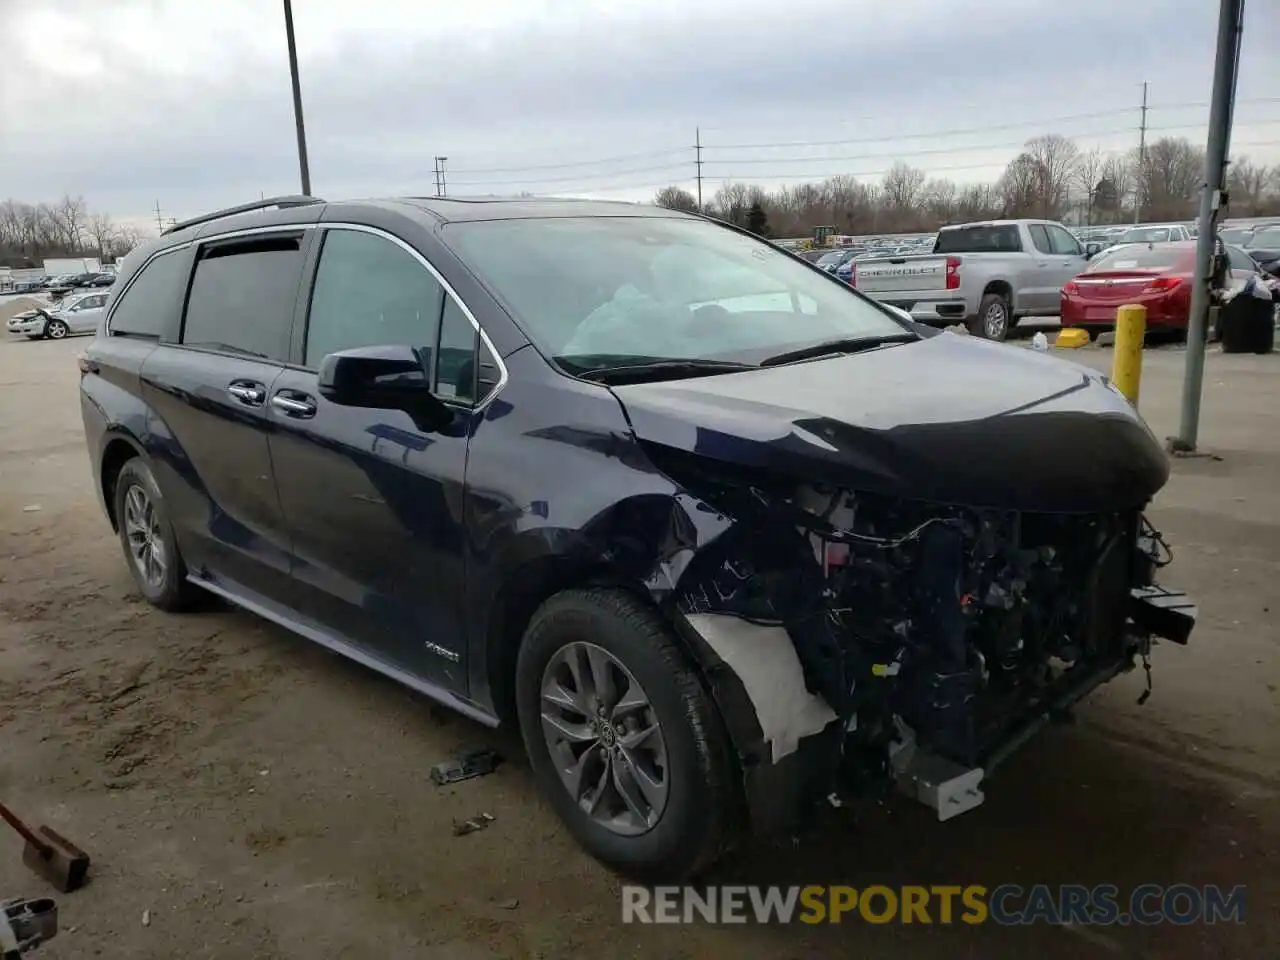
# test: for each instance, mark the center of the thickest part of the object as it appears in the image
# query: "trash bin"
(1247, 324)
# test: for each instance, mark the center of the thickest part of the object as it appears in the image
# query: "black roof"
(523, 208)
(289, 210)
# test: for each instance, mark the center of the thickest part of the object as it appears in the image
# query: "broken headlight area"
(951, 631)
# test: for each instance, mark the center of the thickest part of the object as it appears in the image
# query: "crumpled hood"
(949, 418)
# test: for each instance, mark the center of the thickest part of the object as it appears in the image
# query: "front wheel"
(623, 738)
(56, 330)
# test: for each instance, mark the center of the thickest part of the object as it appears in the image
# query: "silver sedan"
(78, 315)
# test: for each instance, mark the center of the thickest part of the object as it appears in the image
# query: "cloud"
(189, 103)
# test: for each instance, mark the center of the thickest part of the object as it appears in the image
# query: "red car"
(1156, 275)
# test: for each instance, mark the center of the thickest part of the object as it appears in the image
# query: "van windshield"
(596, 292)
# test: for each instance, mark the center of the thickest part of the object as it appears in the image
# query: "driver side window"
(1063, 242)
(369, 292)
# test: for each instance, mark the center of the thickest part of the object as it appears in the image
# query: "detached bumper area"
(920, 645)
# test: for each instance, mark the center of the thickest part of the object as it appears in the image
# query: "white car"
(74, 315)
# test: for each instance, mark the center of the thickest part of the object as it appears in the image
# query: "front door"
(1068, 260)
(85, 315)
(374, 502)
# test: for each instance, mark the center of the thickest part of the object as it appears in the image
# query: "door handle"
(300, 406)
(250, 394)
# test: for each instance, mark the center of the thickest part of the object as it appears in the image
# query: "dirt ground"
(244, 793)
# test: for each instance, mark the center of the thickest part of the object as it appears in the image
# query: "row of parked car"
(990, 275)
(60, 285)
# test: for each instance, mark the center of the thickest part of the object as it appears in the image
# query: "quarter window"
(150, 305)
(456, 358)
(243, 294)
(370, 292)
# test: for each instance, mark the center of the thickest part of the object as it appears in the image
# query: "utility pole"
(697, 161)
(1225, 70)
(1142, 157)
(442, 186)
(159, 221)
(303, 167)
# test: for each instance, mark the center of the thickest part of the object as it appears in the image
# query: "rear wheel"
(994, 320)
(147, 539)
(623, 738)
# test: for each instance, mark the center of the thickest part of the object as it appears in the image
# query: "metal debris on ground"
(473, 763)
(462, 827)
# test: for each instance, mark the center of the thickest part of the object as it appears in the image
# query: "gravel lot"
(254, 796)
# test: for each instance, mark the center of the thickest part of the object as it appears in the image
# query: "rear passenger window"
(150, 305)
(370, 292)
(242, 296)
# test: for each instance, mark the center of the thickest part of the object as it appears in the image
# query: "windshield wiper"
(836, 347)
(663, 370)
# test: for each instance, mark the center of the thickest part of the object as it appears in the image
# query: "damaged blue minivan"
(720, 534)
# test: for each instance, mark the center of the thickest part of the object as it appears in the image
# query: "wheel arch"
(1001, 287)
(117, 450)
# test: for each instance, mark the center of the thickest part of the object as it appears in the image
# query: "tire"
(170, 590)
(56, 330)
(994, 319)
(701, 813)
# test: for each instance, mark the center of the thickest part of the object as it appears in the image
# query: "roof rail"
(279, 203)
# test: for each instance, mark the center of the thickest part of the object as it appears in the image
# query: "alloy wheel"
(146, 541)
(995, 322)
(57, 330)
(604, 738)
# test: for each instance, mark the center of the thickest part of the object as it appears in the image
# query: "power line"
(648, 155)
(883, 171)
(896, 155)
(572, 179)
(917, 136)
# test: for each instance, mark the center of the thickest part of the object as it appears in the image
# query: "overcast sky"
(187, 101)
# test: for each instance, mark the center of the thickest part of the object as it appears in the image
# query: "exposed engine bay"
(940, 636)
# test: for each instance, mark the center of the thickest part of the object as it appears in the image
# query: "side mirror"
(383, 378)
(1091, 250)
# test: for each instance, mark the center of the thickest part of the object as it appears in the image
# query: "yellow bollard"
(1126, 367)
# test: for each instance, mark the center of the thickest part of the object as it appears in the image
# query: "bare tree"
(731, 203)
(940, 200)
(1020, 186)
(902, 188)
(1115, 184)
(676, 198)
(1169, 178)
(69, 215)
(978, 201)
(126, 238)
(102, 231)
(1087, 173)
(1247, 185)
(1056, 158)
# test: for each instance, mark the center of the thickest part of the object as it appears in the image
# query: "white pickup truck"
(987, 275)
